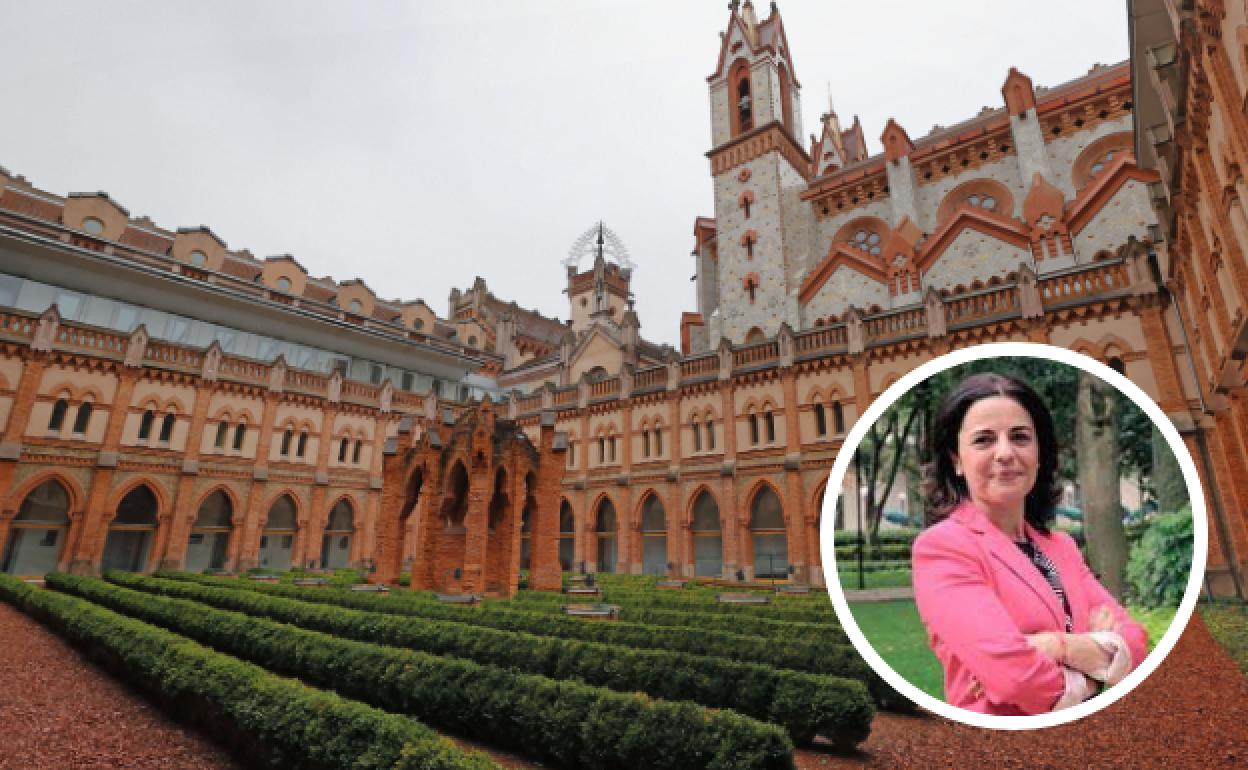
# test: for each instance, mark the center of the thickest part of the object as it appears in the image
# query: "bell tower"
(760, 170)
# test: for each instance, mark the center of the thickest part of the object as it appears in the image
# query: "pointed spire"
(751, 22)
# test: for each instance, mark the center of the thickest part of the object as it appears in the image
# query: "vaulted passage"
(708, 540)
(209, 540)
(653, 536)
(132, 531)
(336, 542)
(277, 542)
(39, 531)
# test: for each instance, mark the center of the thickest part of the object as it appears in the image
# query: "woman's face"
(998, 454)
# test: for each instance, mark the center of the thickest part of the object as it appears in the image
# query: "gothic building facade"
(313, 423)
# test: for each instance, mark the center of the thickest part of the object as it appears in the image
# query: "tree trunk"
(1167, 476)
(1096, 439)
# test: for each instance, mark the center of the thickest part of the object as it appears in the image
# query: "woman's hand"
(1083, 653)
(1047, 642)
(1102, 619)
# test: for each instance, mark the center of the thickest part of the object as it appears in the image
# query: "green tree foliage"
(1161, 561)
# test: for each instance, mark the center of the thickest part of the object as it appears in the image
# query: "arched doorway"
(653, 536)
(409, 524)
(336, 542)
(38, 532)
(277, 542)
(767, 535)
(209, 540)
(708, 540)
(567, 536)
(605, 529)
(131, 532)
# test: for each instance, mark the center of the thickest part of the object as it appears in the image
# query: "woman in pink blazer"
(1017, 620)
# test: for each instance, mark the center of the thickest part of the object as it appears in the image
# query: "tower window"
(751, 285)
(286, 443)
(710, 434)
(745, 106)
(770, 421)
(355, 454)
(342, 450)
(303, 444)
(645, 443)
(239, 434)
(821, 421)
(697, 437)
(838, 417)
(754, 429)
(223, 428)
(658, 443)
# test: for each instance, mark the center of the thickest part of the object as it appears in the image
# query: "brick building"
(825, 274)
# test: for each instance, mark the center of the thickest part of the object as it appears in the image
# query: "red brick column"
(795, 505)
(19, 418)
(544, 572)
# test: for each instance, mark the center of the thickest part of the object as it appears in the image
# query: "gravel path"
(59, 711)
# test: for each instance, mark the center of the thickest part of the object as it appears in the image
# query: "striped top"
(1049, 570)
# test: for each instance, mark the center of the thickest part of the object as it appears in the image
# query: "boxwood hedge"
(804, 704)
(267, 720)
(567, 723)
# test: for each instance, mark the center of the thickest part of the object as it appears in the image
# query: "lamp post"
(860, 497)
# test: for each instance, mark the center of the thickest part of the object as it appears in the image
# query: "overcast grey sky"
(416, 145)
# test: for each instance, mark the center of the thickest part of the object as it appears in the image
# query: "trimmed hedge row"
(566, 723)
(824, 655)
(851, 566)
(874, 552)
(265, 719)
(807, 612)
(781, 631)
(804, 704)
(852, 537)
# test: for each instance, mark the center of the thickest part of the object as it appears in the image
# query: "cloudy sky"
(418, 144)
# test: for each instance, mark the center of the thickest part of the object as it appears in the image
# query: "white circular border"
(1016, 350)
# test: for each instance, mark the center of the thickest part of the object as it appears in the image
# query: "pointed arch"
(77, 497)
(235, 503)
(161, 495)
(768, 531)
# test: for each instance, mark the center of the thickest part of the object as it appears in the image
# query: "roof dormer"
(198, 246)
(354, 296)
(95, 214)
(283, 273)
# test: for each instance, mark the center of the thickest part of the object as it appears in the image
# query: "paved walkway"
(880, 594)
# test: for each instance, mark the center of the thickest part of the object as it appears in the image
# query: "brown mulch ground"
(59, 711)
(1191, 713)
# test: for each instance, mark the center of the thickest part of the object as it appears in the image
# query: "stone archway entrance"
(208, 544)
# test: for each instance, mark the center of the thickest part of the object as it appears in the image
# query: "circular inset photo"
(1018, 535)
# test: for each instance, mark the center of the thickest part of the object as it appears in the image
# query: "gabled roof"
(840, 255)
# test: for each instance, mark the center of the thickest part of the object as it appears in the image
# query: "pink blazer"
(978, 594)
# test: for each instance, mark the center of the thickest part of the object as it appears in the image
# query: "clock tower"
(762, 235)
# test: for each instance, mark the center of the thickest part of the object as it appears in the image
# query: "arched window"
(754, 336)
(342, 449)
(767, 532)
(597, 374)
(658, 441)
(866, 234)
(753, 429)
(770, 421)
(131, 532)
(708, 544)
(336, 541)
(83, 418)
(697, 437)
(38, 532)
(223, 429)
(742, 98)
(286, 436)
(355, 454)
(605, 529)
(866, 240)
(210, 533)
(838, 417)
(980, 194)
(611, 448)
(602, 450)
(302, 449)
(277, 542)
(145, 425)
(567, 536)
(653, 536)
(240, 433)
(1099, 156)
(821, 421)
(166, 428)
(645, 443)
(710, 434)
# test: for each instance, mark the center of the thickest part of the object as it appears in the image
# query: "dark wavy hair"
(947, 489)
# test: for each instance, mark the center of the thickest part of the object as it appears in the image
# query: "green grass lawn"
(1229, 626)
(880, 579)
(897, 634)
